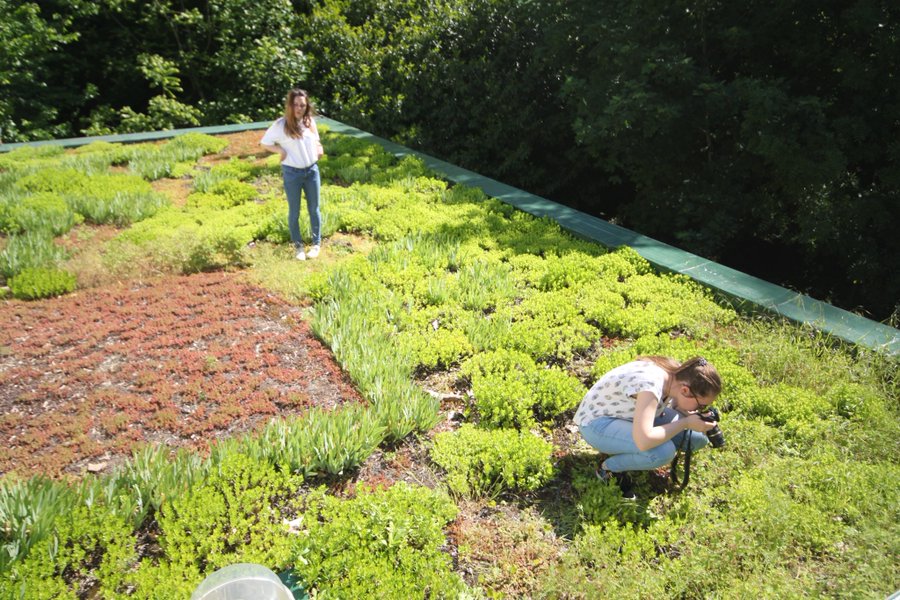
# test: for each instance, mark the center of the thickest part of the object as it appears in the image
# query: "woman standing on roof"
(296, 138)
(641, 412)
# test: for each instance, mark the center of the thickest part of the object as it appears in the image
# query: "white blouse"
(615, 394)
(302, 152)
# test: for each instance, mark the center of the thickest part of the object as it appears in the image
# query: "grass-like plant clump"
(460, 306)
(45, 192)
(39, 212)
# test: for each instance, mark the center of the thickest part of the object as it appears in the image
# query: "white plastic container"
(242, 581)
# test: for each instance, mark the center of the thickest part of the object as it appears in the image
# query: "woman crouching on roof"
(641, 412)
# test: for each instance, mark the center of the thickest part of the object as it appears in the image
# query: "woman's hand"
(695, 423)
(647, 435)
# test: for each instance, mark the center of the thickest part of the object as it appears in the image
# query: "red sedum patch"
(178, 360)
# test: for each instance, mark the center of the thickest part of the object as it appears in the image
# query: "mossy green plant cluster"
(379, 544)
(466, 284)
(45, 192)
(461, 282)
(483, 462)
(521, 317)
(34, 283)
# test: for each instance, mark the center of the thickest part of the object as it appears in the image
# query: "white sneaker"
(313, 252)
(301, 255)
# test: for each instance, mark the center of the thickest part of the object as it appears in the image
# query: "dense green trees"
(762, 135)
(72, 68)
(750, 126)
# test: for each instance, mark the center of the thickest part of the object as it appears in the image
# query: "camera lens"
(715, 435)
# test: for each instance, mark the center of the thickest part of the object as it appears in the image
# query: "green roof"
(747, 291)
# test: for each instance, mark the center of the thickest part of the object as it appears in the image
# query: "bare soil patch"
(243, 145)
(176, 189)
(180, 361)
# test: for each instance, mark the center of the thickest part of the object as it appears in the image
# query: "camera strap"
(673, 472)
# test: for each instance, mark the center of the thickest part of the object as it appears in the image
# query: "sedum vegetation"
(516, 315)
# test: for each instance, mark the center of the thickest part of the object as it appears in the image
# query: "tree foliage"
(69, 68)
(747, 126)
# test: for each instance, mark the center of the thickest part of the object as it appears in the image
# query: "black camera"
(715, 435)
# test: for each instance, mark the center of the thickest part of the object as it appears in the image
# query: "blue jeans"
(613, 437)
(308, 181)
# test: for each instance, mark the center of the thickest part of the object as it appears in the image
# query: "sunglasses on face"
(701, 407)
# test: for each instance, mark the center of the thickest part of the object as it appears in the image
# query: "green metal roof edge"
(128, 138)
(740, 287)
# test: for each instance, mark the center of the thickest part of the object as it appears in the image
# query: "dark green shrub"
(36, 283)
(483, 462)
(380, 544)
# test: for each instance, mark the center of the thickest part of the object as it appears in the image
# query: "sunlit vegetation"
(470, 330)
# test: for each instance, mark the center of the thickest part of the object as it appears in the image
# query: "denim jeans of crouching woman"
(613, 436)
(308, 181)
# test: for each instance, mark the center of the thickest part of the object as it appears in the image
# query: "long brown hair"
(697, 373)
(291, 119)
